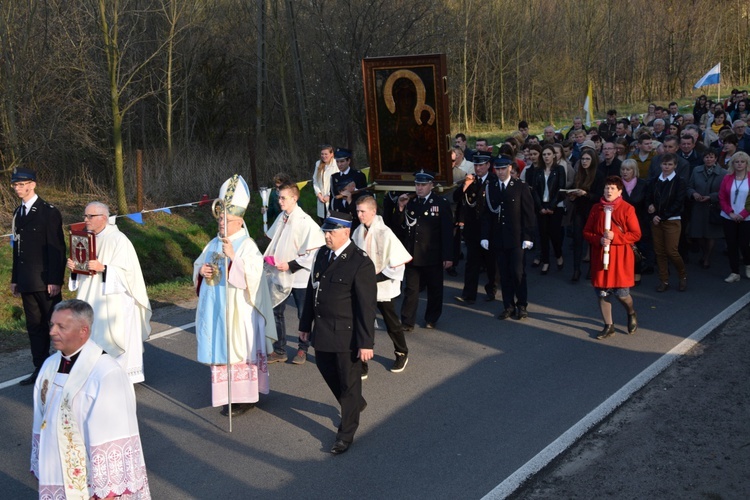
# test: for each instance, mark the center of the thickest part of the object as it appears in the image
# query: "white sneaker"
(747, 271)
(732, 278)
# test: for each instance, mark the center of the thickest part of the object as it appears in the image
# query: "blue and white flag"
(711, 78)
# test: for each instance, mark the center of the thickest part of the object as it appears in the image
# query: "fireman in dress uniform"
(425, 226)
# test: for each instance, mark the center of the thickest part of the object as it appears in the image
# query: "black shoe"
(400, 363)
(509, 312)
(632, 323)
(461, 298)
(237, 409)
(407, 328)
(606, 332)
(451, 271)
(30, 379)
(490, 297)
(576, 275)
(339, 447)
(522, 313)
(430, 326)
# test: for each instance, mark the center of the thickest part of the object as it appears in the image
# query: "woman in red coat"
(620, 275)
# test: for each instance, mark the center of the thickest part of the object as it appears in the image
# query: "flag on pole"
(711, 78)
(588, 105)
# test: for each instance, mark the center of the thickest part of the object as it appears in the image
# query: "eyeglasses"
(91, 216)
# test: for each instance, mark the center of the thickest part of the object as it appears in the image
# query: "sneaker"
(276, 357)
(300, 358)
(365, 369)
(400, 363)
(747, 271)
(732, 278)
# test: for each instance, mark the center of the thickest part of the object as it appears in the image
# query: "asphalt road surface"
(479, 399)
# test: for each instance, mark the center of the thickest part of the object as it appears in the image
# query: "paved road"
(478, 399)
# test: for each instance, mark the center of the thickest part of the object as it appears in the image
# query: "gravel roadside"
(686, 434)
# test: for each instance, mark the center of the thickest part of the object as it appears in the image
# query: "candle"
(607, 227)
(265, 194)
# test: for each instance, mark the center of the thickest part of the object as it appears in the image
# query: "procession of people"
(653, 211)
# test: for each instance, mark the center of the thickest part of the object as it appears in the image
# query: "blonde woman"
(324, 168)
(734, 199)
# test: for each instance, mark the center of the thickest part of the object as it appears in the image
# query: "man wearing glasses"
(38, 263)
(116, 291)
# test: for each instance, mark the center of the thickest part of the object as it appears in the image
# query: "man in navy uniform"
(507, 231)
(425, 226)
(38, 263)
(471, 198)
(339, 181)
(340, 300)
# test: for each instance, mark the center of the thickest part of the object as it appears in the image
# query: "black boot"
(606, 332)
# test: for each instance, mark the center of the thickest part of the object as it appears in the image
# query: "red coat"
(621, 272)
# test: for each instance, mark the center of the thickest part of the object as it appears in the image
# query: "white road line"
(569, 437)
(155, 336)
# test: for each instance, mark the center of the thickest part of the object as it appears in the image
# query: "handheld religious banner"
(82, 250)
(408, 121)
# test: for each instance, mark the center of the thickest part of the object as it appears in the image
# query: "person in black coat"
(425, 227)
(588, 188)
(548, 181)
(346, 172)
(665, 199)
(470, 199)
(340, 302)
(38, 263)
(508, 225)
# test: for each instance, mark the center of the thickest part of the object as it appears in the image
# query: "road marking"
(569, 437)
(155, 336)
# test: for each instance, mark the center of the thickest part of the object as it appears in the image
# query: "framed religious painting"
(408, 121)
(82, 250)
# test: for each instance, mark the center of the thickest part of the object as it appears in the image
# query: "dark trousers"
(550, 231)
(511, 262)
(737, 235)
(342, 371)
(577, 223)
(298, 294)
(432, 278)
(477, 256)
(37, 306)
(395, 330)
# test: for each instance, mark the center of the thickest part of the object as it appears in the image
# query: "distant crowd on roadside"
(708, 148)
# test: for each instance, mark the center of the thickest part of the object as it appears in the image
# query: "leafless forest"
(209, 87)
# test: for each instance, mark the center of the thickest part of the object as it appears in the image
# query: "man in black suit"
(470, 197)
(507, 230)
(38, 263)
(425, 227)
(340, 300)
(338, 179)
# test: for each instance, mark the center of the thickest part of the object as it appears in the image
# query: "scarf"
(630, 185)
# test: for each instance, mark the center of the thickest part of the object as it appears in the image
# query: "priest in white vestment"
(237, 302)
(288, 259)
(117, 292)
(85, 439)
(390, 257)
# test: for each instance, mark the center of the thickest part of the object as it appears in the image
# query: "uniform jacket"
(359, 180)
(471, 204)
(39, 253)
(426, 230)
(340, 301)
(516, 220)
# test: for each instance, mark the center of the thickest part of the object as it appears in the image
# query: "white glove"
(527, 245)
(484, 244)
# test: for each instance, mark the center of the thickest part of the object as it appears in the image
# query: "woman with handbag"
(735, 210)
(615, 275)
(703, 188)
